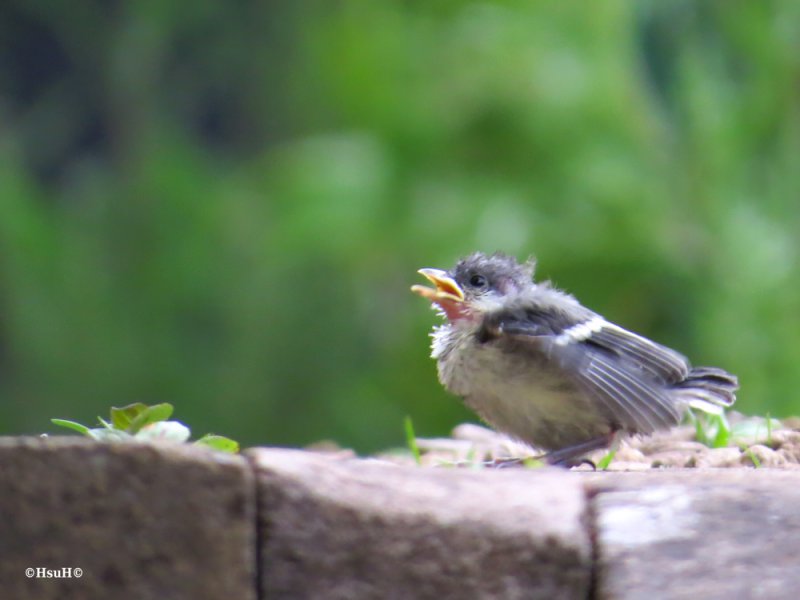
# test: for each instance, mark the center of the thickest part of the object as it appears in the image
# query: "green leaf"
(166, 431)
(604, 462)
(712, 430)
(83, 429)
(723, 435)
(411, 440)
(218, 442)
(152, 414)
(121, 418)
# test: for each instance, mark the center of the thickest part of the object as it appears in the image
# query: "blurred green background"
(223, 204)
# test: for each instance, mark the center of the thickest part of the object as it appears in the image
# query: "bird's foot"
(574, 456)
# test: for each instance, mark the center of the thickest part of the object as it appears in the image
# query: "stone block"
(360, 529)
(136, 521)
(714, 533)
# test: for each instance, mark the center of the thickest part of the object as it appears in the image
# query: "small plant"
(712, 430)
(604, 462)
(140, 422)
(770, 424)
(411, 440)
(755, 430)
(751, 455)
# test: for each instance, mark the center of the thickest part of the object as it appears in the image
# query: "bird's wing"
(627, 374)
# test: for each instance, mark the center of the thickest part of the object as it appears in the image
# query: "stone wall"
(85, 520)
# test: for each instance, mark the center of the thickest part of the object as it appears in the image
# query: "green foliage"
(82, 429)
(714, 431)
(754, 430)
(226, 206)
(139, 422)
(711, 429)
(218, 442)
(604, 462)
(411, 440)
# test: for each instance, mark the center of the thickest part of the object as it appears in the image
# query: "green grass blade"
(699, 431)
(411, 440)
(82, 429)
(723, 435)
(604, 462)
(769, 430)
(751, 455)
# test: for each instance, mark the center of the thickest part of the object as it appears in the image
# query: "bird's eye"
(478, 281)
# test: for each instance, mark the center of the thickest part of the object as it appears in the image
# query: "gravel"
(752, 444)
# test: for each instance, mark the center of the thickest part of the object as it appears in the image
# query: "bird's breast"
(518, 393)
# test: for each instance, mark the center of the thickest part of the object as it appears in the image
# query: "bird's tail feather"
(708, 389)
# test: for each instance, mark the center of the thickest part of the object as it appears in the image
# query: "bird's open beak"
(447, 290)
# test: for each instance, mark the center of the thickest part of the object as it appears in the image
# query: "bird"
(537, 365)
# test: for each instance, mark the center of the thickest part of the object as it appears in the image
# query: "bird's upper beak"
(446, 291)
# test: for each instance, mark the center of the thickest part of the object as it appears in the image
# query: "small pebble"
(718, 457)
(766, 456)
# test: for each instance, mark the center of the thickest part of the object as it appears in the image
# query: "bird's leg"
(572, 456)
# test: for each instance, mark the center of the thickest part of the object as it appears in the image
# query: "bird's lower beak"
(447, 290)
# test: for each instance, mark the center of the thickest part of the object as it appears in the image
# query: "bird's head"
(477, 284)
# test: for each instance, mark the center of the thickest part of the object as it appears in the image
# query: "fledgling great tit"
(537, 365)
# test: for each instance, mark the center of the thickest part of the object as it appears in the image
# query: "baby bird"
(537, 365)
